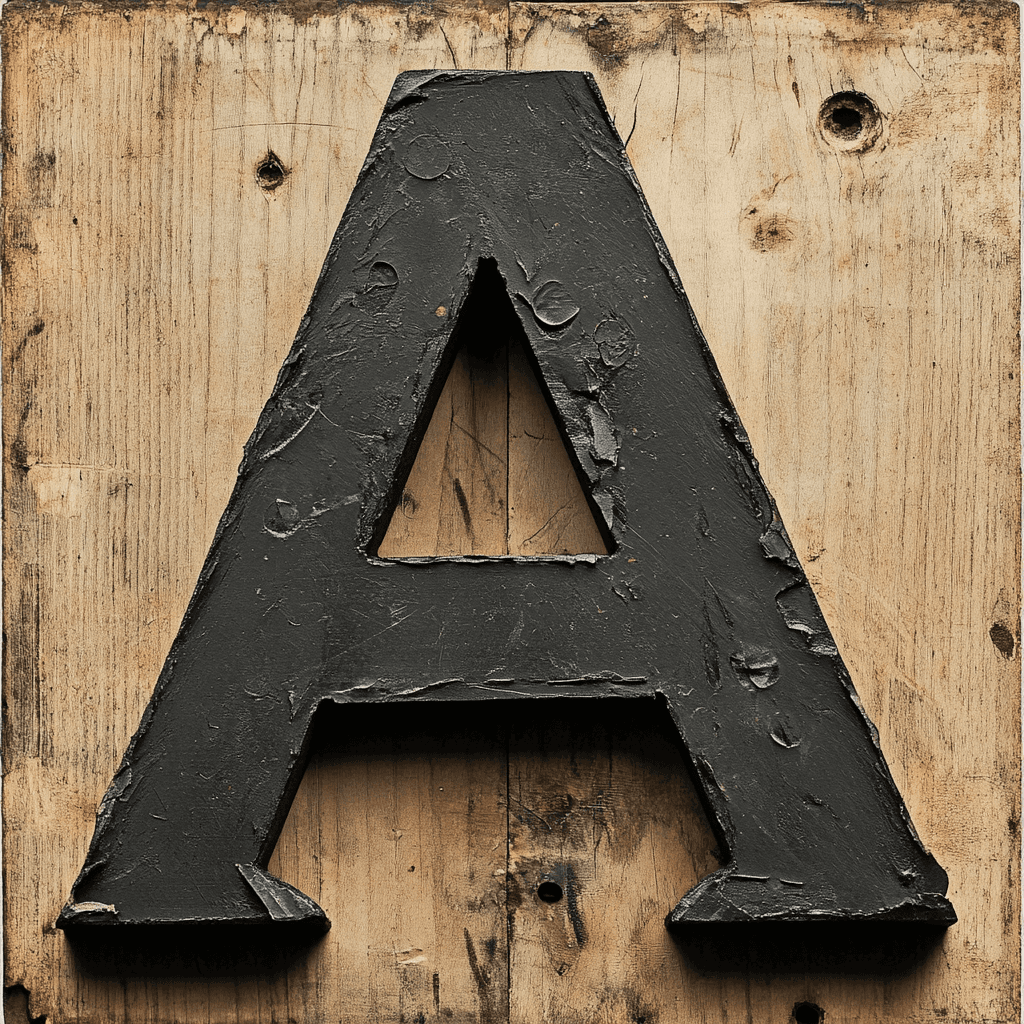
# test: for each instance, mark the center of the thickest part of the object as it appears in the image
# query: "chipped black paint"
(525, 173)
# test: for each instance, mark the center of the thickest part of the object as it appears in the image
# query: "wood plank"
(863, 309)
(601, 805)
(455, 501)
(547, 512)
(155, 287)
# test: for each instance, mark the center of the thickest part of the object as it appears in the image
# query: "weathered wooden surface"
(492, 475)
(601, 805)
(863, 309)
(395, 833)
(547, 512)
(455, 501)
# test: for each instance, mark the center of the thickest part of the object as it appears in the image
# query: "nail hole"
(549, 892)
(270, 173)
(850, 121)
(808, 1013)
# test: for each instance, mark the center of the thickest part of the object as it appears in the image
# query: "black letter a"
(524, 176)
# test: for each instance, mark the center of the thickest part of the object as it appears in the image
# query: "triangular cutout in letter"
(701, 599)
(474, 484)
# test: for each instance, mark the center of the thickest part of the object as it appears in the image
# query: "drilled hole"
(270, 173)
(850, 121)
(549, 892)
(808, 1013)
(846, 121)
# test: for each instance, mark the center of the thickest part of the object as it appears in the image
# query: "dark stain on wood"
(463, 505)
(771, 232)
(640, 1011)
(1002, 637)
(579, 929)
(602, 38)
(16, 1009)
(493, 1005)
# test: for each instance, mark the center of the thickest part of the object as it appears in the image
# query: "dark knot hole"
(808, 1013)
(270, 173)
(549, 892)
(850, 121)
(847, 121)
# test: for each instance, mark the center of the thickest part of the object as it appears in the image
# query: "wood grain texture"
(601, 804)
(492, 475)
(547, 511)
(414, 884)
(863, 309)
(155, 288)
(455, 501)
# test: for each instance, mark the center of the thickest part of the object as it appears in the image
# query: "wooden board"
(455, 501)
(600, 804)
(863, 309)
(413, 882)
(492, 474)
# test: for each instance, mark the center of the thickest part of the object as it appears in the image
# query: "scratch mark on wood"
(467, 518)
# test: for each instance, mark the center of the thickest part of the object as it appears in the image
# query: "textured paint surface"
(702, 600)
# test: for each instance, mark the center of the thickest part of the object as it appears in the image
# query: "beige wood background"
(863, 309)
(492, 475)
